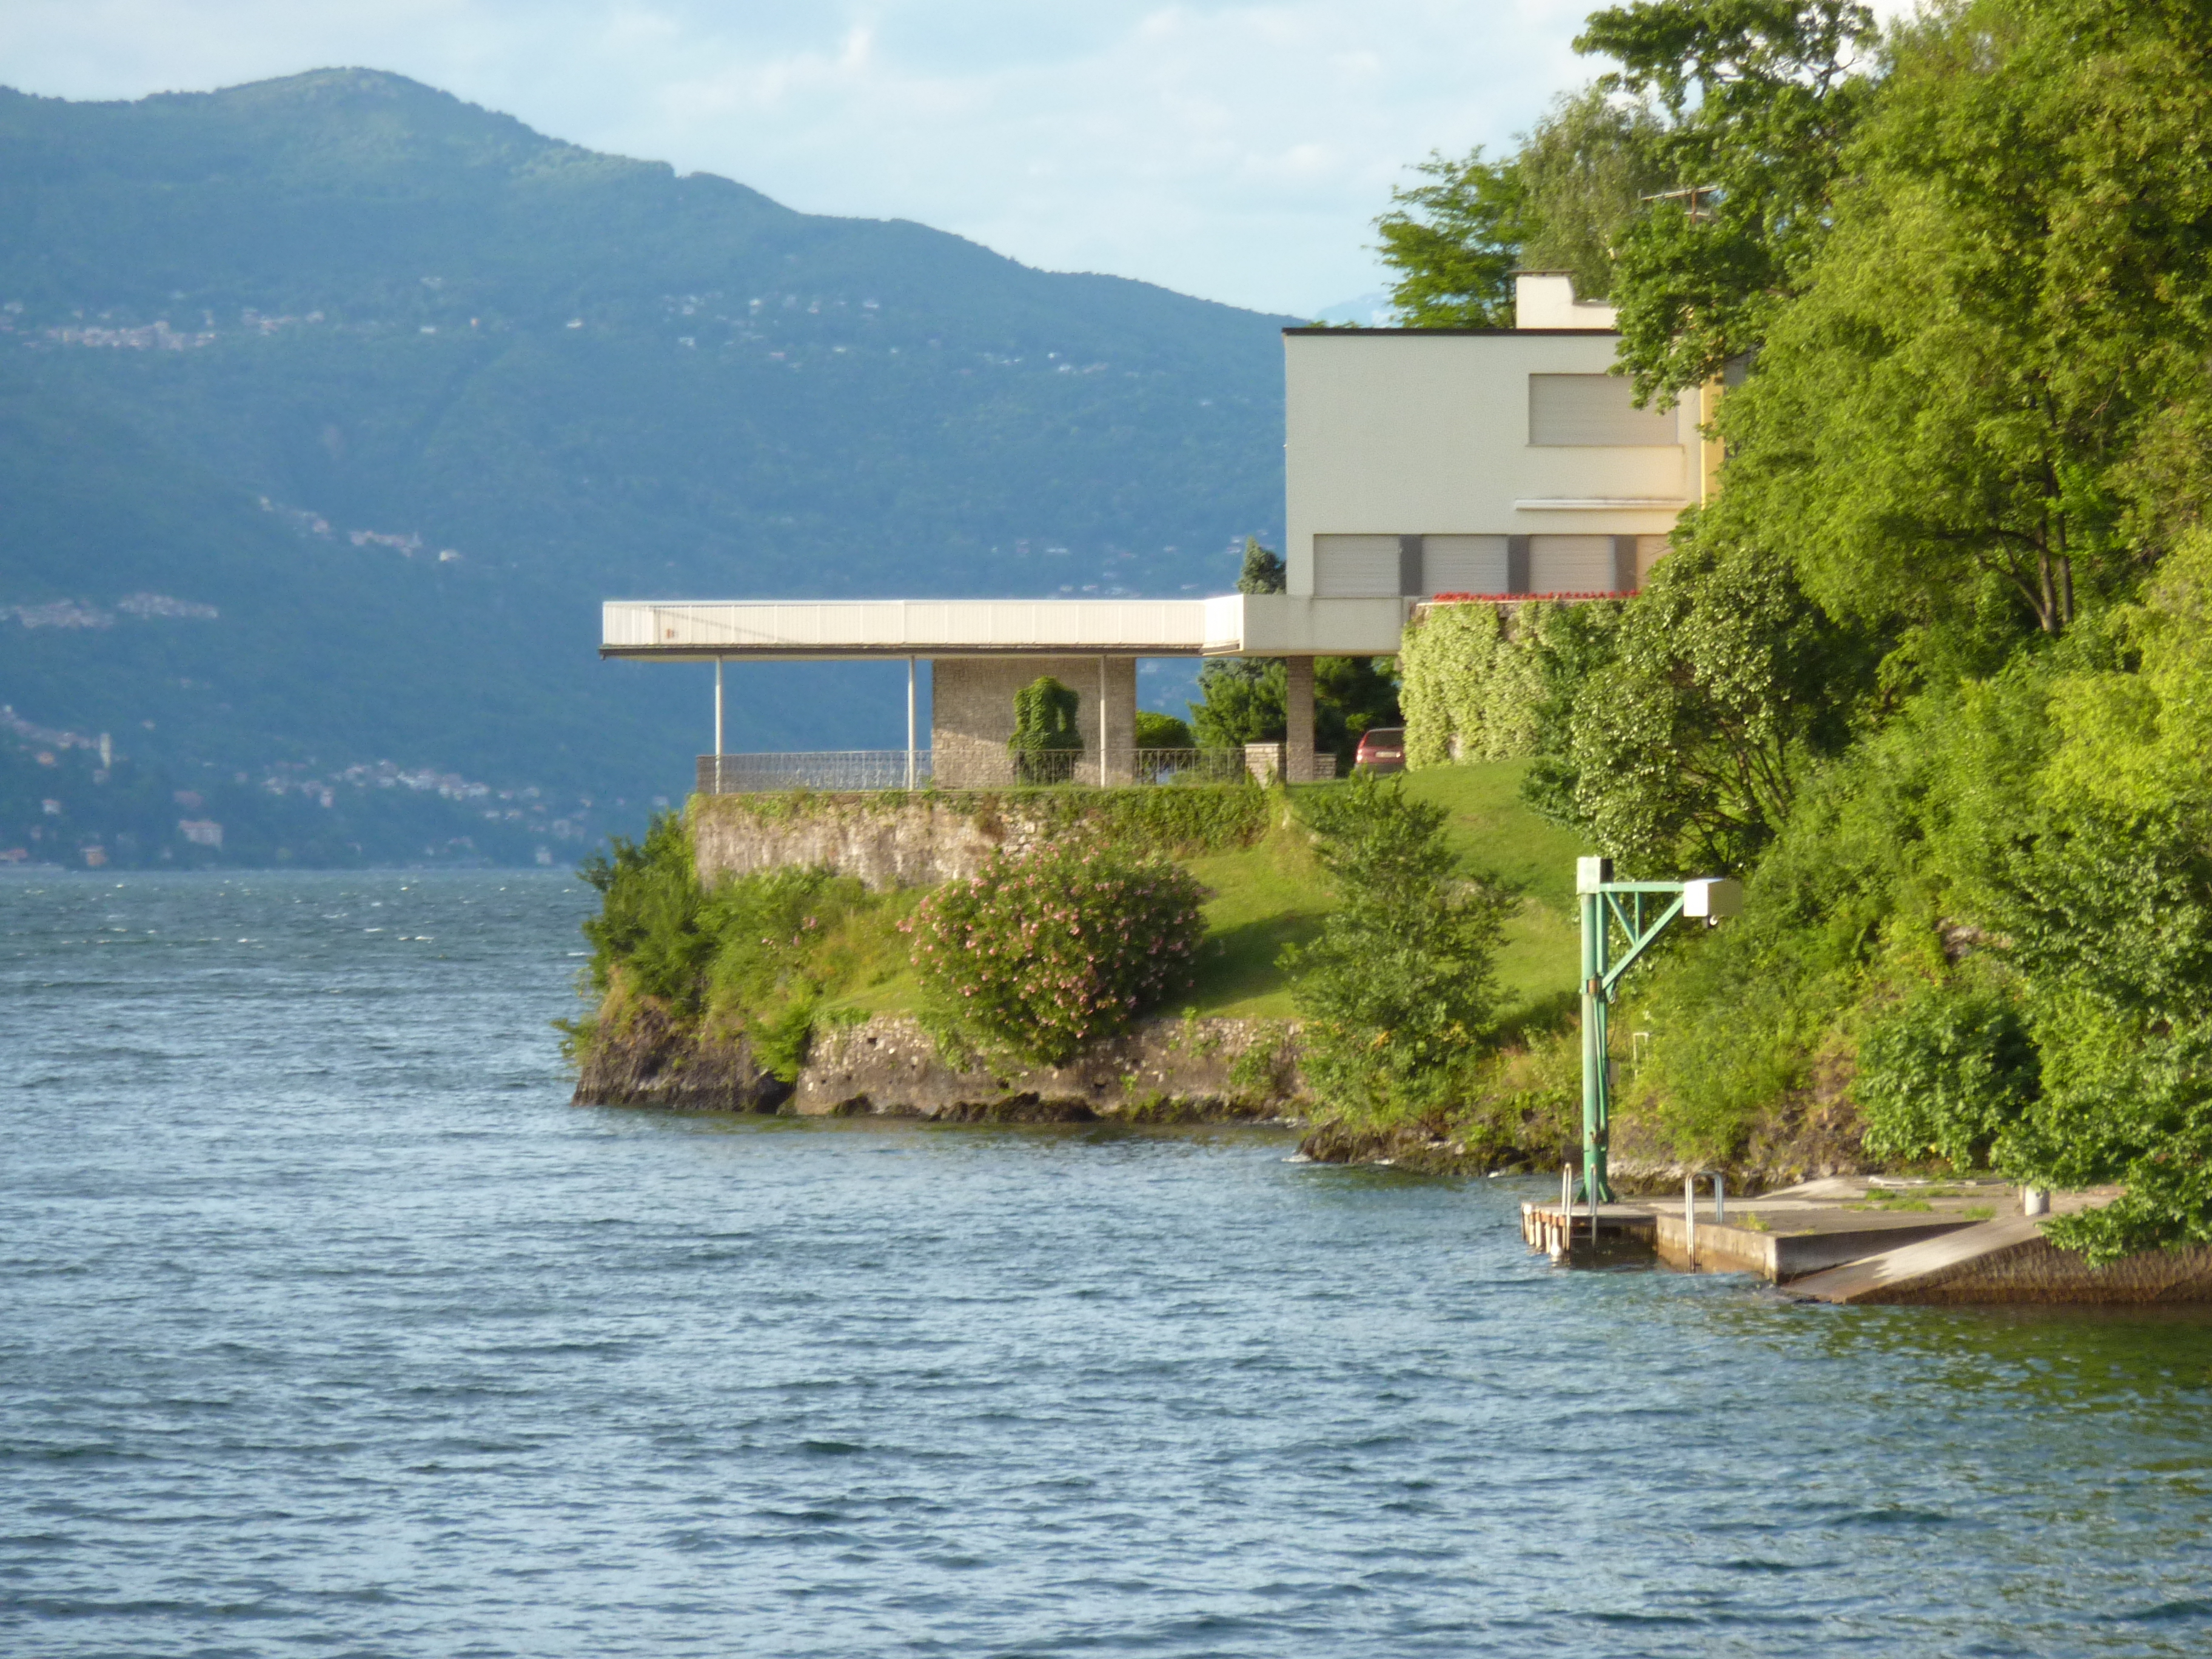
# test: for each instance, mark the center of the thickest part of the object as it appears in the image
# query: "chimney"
(1545, 299)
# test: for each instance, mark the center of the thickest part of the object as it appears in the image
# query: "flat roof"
(919, 628)
(1227, 625)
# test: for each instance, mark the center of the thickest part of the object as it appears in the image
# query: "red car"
(1383, 749)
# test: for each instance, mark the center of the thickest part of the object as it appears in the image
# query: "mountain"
(331, 406)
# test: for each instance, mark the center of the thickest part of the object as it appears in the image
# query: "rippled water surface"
(328, 1327)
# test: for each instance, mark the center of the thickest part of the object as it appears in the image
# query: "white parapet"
(1231, 624)
(927, 628)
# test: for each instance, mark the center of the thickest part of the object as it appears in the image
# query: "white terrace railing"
(920, 768)
(829, 768)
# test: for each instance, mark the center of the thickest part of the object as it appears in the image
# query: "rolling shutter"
(1594, 410)
(1570, 564)
(1463, 564)
(1356, 567)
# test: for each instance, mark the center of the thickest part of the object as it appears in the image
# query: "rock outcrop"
(648, 1060)
(1198, 1070)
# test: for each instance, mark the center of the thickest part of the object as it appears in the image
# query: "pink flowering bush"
(1044, 953)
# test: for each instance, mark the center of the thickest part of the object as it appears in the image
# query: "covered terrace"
(981, 653)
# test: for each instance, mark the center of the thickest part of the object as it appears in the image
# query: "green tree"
(1352, 695)
(1585, 169)
(1991, 394)
(1398, 992)
(1261, 571)
(1156, 731)
(1723, 685)
(1758, 99)
(1946, 1071)
(1561, 202)
(2084, 847)
(1455, 241)
(1241, 698)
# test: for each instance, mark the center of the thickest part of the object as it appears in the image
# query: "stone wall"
(887, 841)
(972, 715)
(891, 839)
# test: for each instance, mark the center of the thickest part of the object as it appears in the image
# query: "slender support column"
(1102, 722)
(1298, 720)
(1596, 1188)
(718, 725)
(909, 722)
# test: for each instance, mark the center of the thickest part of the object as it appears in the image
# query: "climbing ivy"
(1483, 682)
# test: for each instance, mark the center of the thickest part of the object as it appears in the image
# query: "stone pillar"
(1299, 719)
(972, 715)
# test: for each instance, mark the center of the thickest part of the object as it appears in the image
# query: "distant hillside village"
(399, 389)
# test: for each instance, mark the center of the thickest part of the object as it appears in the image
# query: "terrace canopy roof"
(1233, 625)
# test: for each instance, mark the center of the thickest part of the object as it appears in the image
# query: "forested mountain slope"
(399, 389)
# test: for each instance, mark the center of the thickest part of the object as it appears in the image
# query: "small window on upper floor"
(1596, 410)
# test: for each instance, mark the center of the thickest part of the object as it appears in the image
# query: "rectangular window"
(1594, 410)
(1356, 567)
(1570, 564)
(1463, 564)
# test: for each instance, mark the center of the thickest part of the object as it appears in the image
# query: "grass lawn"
(1271, 895)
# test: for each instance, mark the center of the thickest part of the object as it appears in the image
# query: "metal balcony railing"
(830, 769)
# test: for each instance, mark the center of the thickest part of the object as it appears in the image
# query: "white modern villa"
(1463, 462)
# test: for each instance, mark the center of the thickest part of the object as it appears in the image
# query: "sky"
(1238, 152)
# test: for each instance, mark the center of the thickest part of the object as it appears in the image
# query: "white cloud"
(1235, 150)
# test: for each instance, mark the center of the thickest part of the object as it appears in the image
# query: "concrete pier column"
(1299, 719)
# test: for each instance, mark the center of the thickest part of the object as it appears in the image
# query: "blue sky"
(1236, 151)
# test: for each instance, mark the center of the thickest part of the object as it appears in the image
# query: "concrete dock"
(1856, 1239)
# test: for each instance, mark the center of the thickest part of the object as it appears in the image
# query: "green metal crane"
(1606, 903)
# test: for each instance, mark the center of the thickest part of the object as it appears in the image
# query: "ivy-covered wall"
(1472, 688)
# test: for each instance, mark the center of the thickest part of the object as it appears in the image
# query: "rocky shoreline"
(1187, 1071)
(1165, 1072)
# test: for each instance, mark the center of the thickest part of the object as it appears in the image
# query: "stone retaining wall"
(914, 841)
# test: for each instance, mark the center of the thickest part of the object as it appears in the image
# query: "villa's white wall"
(1427, 434)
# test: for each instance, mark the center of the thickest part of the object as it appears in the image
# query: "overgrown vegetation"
(1930, 670)
(755, 957)
(739, 959)
(1399, 993)
(1045, 739)
(1040, 954)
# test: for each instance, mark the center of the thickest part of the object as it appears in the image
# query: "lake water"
(327, 1327)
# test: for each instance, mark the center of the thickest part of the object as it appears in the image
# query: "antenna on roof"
(1699, 212)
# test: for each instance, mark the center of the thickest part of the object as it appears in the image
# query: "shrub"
(1398, 992)
(649, 922)
(755, 956)
(1945, 1073)
(774, 957)
(1042, 954)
